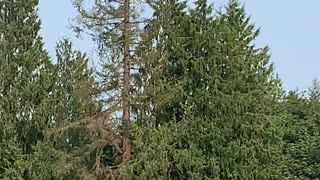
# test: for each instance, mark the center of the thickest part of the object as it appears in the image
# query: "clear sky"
(290, 28)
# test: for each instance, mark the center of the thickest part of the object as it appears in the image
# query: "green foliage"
(24, 87)
(219, 93)
(205, 102)
(302, 134)
(75, 91)
(74, 98)
(41, 164)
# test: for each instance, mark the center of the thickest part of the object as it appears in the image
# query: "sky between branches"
(290, 28)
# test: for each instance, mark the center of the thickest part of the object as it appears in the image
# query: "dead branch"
(83, 122)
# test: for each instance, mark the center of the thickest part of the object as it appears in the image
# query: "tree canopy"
(181, 94)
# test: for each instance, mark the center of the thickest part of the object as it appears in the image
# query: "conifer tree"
(74, 97)
(221, 102)
(76, 88)
(155, 83)
(302, 133)
(114, 26)
(25, 84)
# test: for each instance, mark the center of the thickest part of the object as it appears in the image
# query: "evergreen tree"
(114, 26)
(302, 134)
(74, 98)
(220, 96)
(156, 92)
(25, 84)
(75, 89)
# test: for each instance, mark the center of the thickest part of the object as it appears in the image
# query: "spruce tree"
(302, 133)
(155, 84)
(75, 87)
(221, 97)
(25, 84)
(74, 97)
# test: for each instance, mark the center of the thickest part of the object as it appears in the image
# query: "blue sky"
(290, 28)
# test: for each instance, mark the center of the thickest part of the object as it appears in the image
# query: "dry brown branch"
(86, 122)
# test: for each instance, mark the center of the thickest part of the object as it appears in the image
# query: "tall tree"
(155, 83)
(222, 101)
(114, 26)
(302, 133)
(74, 97)
(25, 84)
(75, 88)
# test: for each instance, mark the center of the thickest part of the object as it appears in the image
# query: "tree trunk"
(126, 82)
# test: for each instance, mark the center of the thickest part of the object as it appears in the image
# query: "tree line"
(182, 94)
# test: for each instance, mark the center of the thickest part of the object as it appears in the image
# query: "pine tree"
(74, 97)
(155, 86)
(25, 84)
(114, 26)
(302, 133)
(220, 96)
(76, 89)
